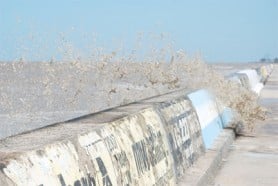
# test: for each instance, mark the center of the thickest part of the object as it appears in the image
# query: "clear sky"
(222, 30)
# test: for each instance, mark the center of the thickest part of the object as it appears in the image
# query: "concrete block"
(208, 115)
(254, 80)
(153, 142)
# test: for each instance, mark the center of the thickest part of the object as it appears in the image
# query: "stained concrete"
(254, 160)
(71, 152)
(204, 170)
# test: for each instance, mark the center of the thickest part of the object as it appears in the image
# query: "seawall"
(150, 142)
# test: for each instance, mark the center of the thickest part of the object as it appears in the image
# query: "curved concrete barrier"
(241, 79)
(148, 143)
(208, 115)
(183, 132)
(152, 142)
(131, 150)
(254, 80)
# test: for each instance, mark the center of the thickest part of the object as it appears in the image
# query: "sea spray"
(91, 86)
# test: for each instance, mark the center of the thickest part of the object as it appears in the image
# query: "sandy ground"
(34, 95)
(254, 160)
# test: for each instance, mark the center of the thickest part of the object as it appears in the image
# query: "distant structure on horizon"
(268, 60)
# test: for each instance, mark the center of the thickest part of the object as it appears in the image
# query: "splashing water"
(109, 80)
(70, 86)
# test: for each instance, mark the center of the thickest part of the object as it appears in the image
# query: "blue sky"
(221, 30)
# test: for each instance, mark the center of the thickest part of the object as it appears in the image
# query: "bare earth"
(253, 161)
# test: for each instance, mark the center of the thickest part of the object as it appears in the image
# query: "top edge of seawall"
(69, 129)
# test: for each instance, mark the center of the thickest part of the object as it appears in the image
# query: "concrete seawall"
(150, 142)
(254, 160)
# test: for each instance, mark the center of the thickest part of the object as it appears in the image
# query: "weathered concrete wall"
(151, 142)
(252, 79)
(183, 131)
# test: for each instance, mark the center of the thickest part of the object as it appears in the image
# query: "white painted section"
(254, 80)
(258, 88)
(208, 114)
(228, 116)
(205, 107)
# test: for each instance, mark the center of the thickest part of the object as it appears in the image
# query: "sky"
(221, 30)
